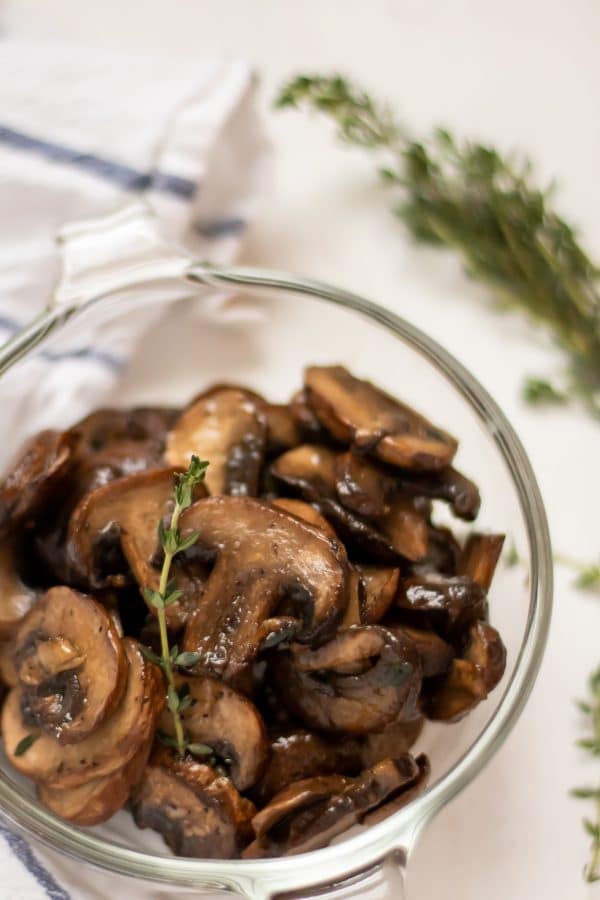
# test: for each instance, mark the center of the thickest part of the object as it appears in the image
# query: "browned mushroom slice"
(405, 528)
(304, 416)
(16, 599)
(198, 812)
(380, 586)
(302, 754)
(448, 484)
(360, 681)
(106, 427)
(110, 747)
(229, 723)
(8, 672)
(282, 428)
(360, 414)
(435, 653)
(449, 603)
(469, 679)
(265, 559)
(480, 557)
(70, 664)
(227, 427)
(97, 800)
(405, 797)
(306, 512)
(361, 486)
(394, 740)
(309, 469)
(307, 815)
(35, 476)
(443, 553)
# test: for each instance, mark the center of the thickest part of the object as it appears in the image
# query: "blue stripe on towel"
(118, 173)
(218, 227)
(25, 854)
(106, 359)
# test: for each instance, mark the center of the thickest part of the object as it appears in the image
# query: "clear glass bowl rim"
(263, 878)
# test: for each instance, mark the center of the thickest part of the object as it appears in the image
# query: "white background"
(519, 73)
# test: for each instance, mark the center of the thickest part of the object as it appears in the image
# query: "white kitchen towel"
(83, 132)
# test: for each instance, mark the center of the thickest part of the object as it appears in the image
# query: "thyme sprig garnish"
(487, 208)
(168, 593)
(591, 709)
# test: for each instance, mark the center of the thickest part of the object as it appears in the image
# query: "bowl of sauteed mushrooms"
(257, 595)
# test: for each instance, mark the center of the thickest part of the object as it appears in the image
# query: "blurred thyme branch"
(487, 208)
(591, 709)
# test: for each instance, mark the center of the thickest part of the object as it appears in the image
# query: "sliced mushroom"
(392, 742)
(480, 557)
(227, 427)
(443, 553)
(361, 486)
(307, 815)
(8, 672)
(282, 428)
(16, 599)
(371, 421)
(197, 811)
(405, 797)
(300, 754)
(447, 484)
(372, 592)
(35, 477)
(310, 427)
(449, 603)
(229, 723)
(70, 664)
(97, 800)
(469, 679)
(107, 427)
(265, 560)
(362, 680)
(435, 653)
(108, 749)
(405, 528)
(306, 512)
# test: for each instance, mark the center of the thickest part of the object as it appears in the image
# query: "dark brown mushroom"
(16, 599)
(108, 749)
(470, 679)
(310, 427)
(371, 421)
(107, 427)
(70, 665)
(479, 558)
(372, 594)
(450, 604)
(361, 486)
(443, 553)
(198, 812)
(35, 477)
(283, 431)
(307, 815)
(229, 723)
(447, 484)
(360, 681)
(266, 560)
(435, 653)
(405, 797)
(394, 740)
(227, 427)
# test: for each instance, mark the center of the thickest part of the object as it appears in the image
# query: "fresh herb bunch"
(173, 543)
(487, 208)
(591, 709)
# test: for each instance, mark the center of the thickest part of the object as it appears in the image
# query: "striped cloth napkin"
(82, 133)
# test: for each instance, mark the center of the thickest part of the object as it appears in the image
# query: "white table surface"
(521, 72)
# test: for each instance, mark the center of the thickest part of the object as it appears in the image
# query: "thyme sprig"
(591, 709)
(487, 208)
(173, 543)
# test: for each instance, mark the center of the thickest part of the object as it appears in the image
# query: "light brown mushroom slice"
(110, 747)
(265, 560)
(470, 679)
(16, 599)
(360, 681)
(35, 477)
(310, 813)
(479, 558)
(306, 512)
(362, 415)
(227, 427)
(380, 586)
(97, 800)
(361, 486)
(406, 528)
(356, 595)
(226, 721)
(282, 428)
(198, 812)
(435, 653)
(70, 664)
(8, 672)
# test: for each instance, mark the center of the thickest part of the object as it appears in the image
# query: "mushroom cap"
(360, 681)
(110, 747)
(450, 604)
(362, 415)
(70, 663)
(16, 599)
(266, 561)
(227, 426)
(108, 427)
(229, 723)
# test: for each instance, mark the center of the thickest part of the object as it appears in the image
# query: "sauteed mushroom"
(373, 595)
(308, 814)
(449, 603)
(360, 681)
(107, 749)
(198, 812)
(358, 413)
(395, 739)
(404, 797)
(265, 559)
(306, 512)
(16, 599)
(361, 486)
(480, 557)
(106, 427)
(446, 484)
(229, 723)
(228, 427)
(435, 653)
(310, 427)
(70, 664)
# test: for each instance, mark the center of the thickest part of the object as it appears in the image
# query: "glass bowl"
(260, 328)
